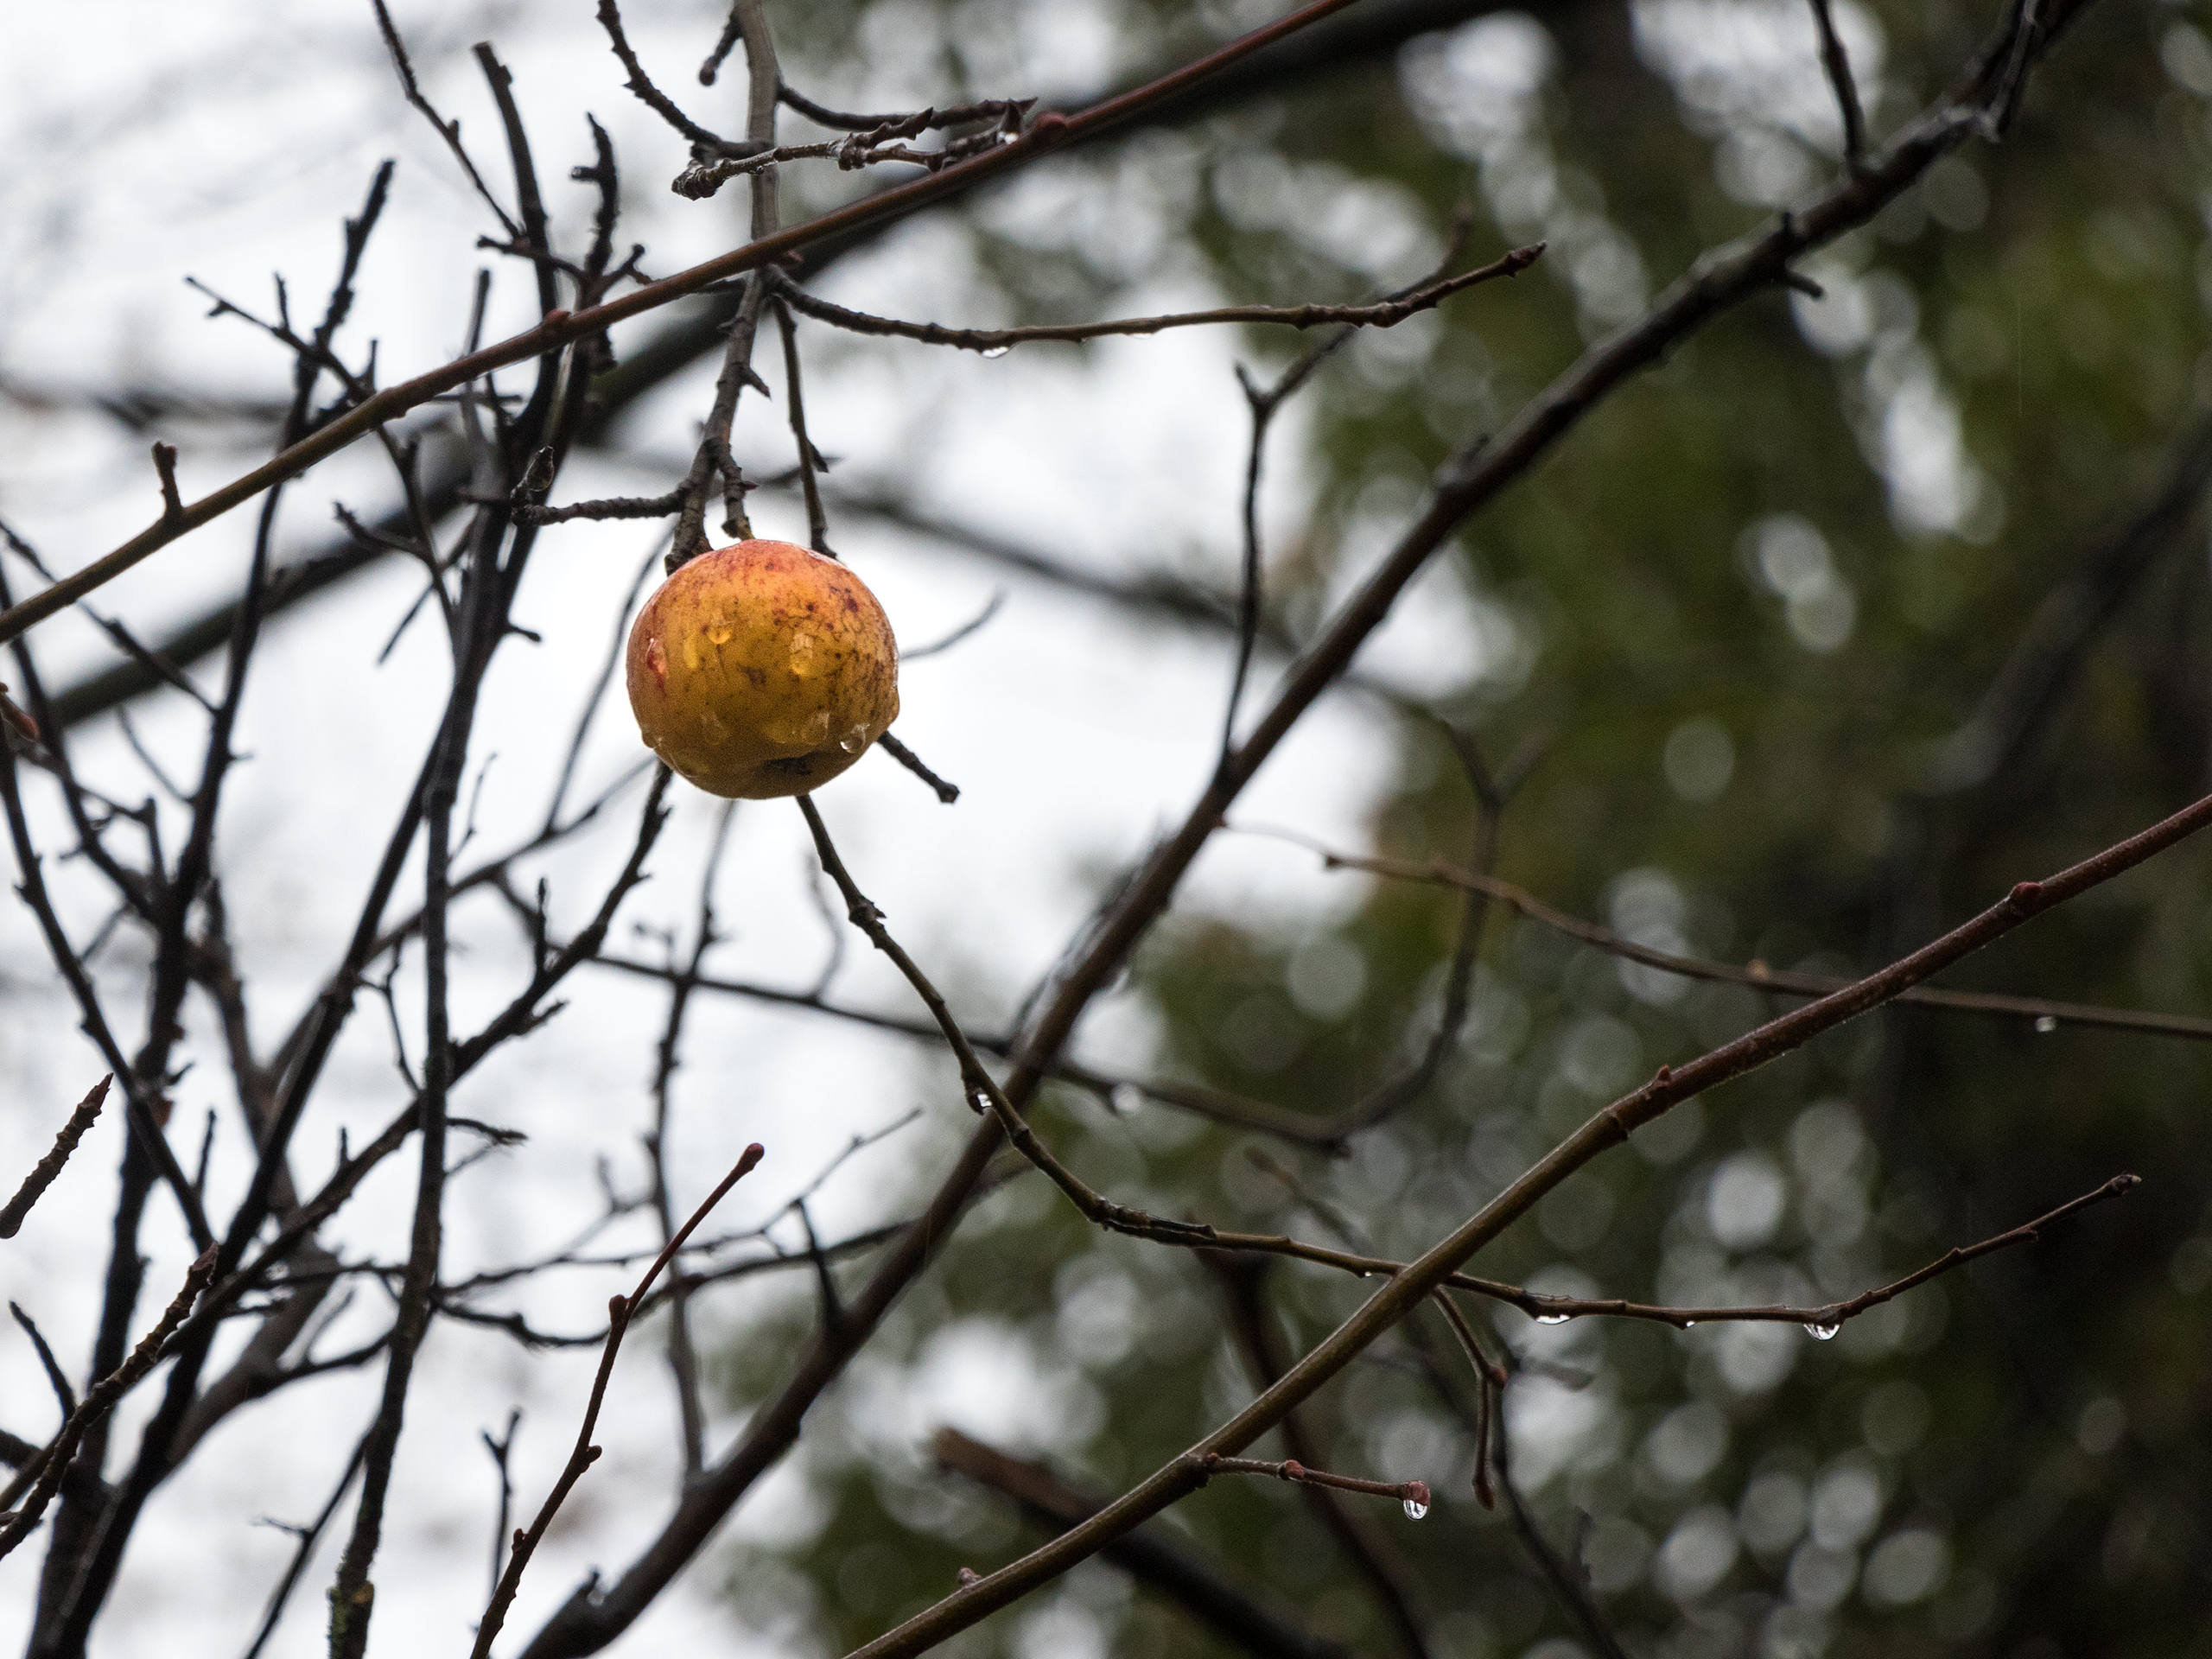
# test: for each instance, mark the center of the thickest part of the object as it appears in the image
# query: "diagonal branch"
(1150, 1556)
(42, 1173)
(620, 1310)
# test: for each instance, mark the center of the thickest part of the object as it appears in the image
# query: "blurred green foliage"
(1759, 611)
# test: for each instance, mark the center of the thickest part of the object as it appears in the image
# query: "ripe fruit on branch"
(762, 668)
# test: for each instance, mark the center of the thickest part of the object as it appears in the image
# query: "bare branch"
(2046, 1014)
(1384, 314)
(1836, 63)
(620, 1310)
(448, 130)
(42, 1174)
(1413, 1494)
(1150, 1556)
(44, 1475)
(641, 84)
(906, 757)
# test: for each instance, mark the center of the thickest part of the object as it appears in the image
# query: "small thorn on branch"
(172, 503)
(906, 757)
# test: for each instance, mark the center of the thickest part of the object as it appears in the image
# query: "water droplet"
(1553, 1318)
(1415, 1508)
(2047, 1024)
(1825, 1330)
(997, 351)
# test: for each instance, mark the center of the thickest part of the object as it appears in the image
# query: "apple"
(762, 668)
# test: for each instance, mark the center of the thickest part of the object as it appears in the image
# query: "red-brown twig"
(42, 1174)
(620, 1310)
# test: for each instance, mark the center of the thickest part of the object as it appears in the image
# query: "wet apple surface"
(762, 668)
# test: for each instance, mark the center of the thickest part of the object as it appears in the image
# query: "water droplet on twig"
(2047, 1023)
(1553, 1318)
(1824, 1330)
(997, 351)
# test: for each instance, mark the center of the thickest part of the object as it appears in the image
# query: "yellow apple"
(762, 668)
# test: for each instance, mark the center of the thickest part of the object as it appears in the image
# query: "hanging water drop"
(2046, 1024)
(997, 351)
(1553, 1318)
(1824, 1330)
(1415, 1508)
(1417, 1499)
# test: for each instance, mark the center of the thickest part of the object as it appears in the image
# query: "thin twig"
(1413, 1494)
(1384, 314)
(641, 84)
(44, 1474)
(620, 1310)
(1756, 976)
(448, 130)
(1836, 63)
(1372, 1555)
(810, 459)
(501, 1449)
(906, 757)
(56, 1378)
(1566, 1582)
(938, 647)
(42, 1173)
(1150, 1556)
(309, 1536)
